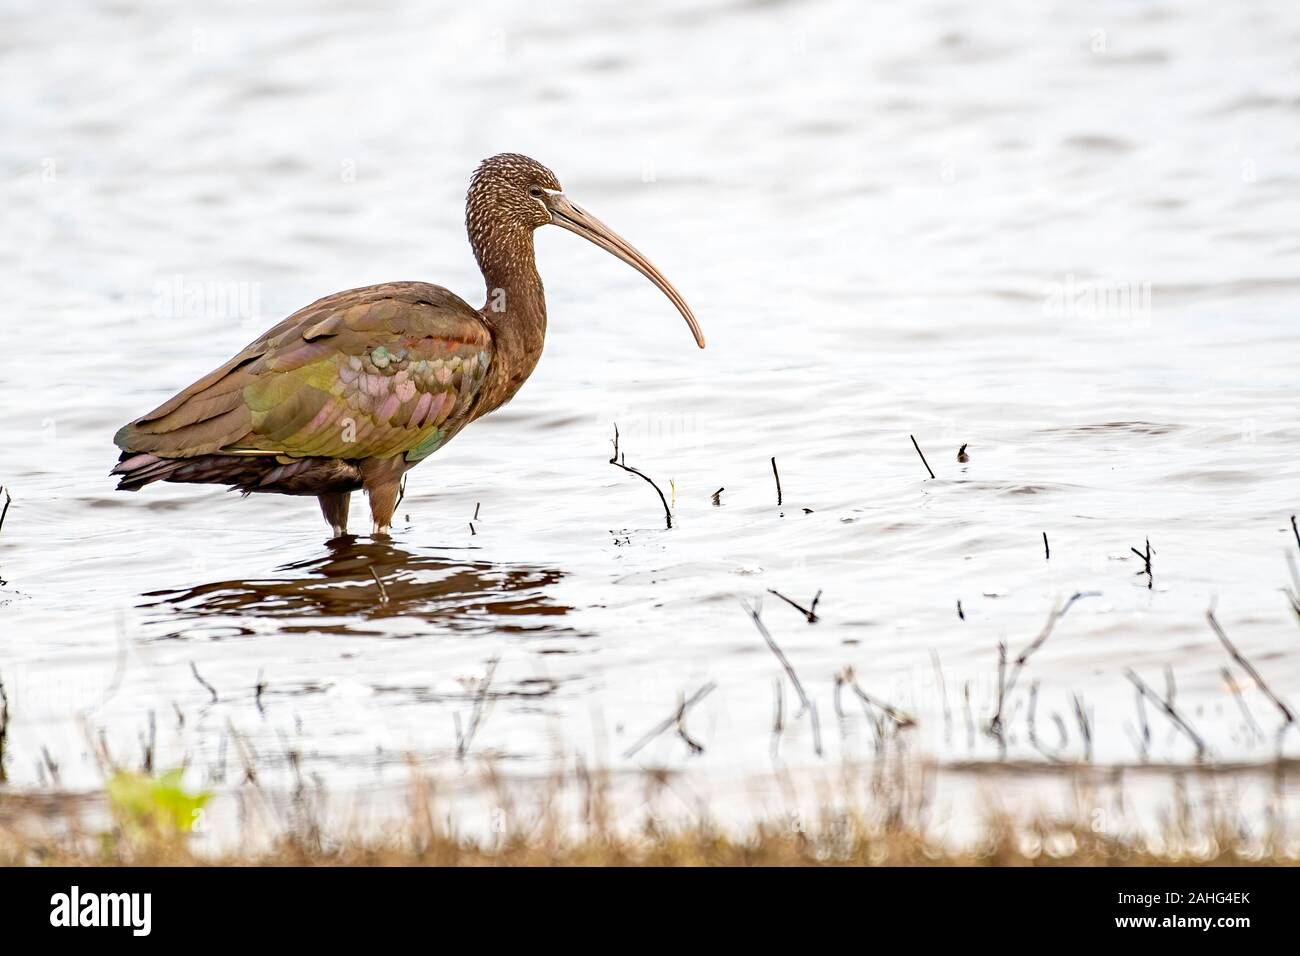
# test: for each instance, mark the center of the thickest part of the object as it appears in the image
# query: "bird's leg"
(383, 502)
(334, 507)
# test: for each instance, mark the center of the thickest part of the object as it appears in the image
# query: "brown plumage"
(357, 388)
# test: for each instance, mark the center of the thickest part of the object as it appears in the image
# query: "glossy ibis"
(357, 388)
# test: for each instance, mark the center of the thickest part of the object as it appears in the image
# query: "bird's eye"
(535, 191)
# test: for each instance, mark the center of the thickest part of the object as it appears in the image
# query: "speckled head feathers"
(506, 192)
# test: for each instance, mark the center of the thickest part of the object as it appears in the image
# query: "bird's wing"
(372, 372)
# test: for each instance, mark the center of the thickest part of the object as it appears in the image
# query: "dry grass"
(573, 821)
(763, 845)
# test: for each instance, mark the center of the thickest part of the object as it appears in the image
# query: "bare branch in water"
(1145, 724)
(621, 462)
(383, 591)
(922, 454)
(1004, 690)
(816, 727)
(1146, 557)
(1249, 668)
(778, 716)
(943, 695)
(199, 677)
(51, 767)
(805, 703)
(1166, 704)
(1293, 592)
(1084, 718)
(676, 720)
(809, 612)
(465, 741)
(1231, 683)
(995, 729)
(695, 746)
(1032, 720)
(970, 717)
(900, 718)
(148, 744)
(780, 655)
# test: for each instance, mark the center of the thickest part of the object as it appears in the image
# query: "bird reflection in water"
(360, 583)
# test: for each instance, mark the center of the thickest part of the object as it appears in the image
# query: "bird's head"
(511, 195)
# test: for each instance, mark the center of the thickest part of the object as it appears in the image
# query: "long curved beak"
(570, 217)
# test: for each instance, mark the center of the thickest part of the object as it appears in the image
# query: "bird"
(352, 391)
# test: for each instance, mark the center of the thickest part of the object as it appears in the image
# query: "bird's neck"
(515, 311)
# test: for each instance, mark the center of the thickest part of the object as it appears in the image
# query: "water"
(1061, 237)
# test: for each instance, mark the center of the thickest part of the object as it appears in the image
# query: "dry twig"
(621, 462)
(1287, 715)
(206, 686)
(676, 720)
(809, 612)
(805, 703)
(922, 454)
(1166, 704)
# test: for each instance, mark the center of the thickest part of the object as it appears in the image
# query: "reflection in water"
(367, 581)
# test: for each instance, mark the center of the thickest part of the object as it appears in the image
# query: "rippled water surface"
(1063, 237)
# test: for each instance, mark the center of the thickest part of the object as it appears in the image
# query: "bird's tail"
(137, 469)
